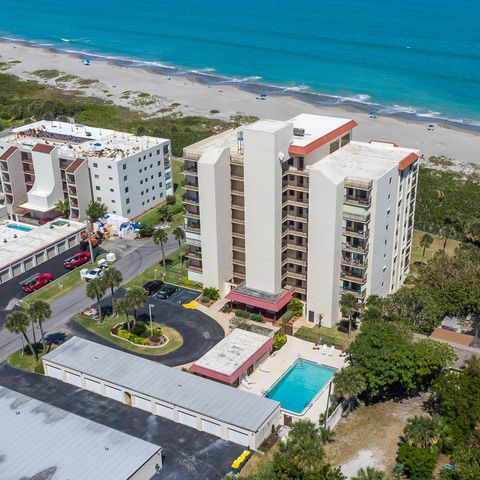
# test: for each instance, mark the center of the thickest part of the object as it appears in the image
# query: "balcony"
(356, 218)
(237, 234)
(8, 188)
(192, 228)
(190, 171)
(237, 192)
(294, 246)
(238, 248)
(72, 191)
(191, 186)
(293, 185)
(349, 262)
(5, 178)
(27, 160)
(3, 166)
(358, 184)
(237, 205)
(351, 232)
(189, 214)
(194, 254)
(356, 248)
(190, 200)
(296, 202)
(294, 261)
(293, 231)
(295, 171)
(294, 218)
(295, 275)
(350, 277)
(238, 261)
(194, 268)
(356, 200)
(360, 294)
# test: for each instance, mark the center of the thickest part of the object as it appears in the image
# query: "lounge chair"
(264, 370)
(324, 349)
(246, 385)
(331, 351)
(249, 380)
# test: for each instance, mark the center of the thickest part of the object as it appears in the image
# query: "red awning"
(260, 303)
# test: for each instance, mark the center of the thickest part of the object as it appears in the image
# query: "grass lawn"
(61, 285)
(24, 360)
(103, 330)
(417, 250)
(332, 336)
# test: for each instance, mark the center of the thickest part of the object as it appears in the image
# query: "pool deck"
(279, 362)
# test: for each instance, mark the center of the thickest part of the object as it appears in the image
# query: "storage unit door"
(211, 427)
(93, 385)
(114, 393)
(54, 372)
(238, 437)
(187, 419)
(142, 403)
(164, 411)
(73, 378)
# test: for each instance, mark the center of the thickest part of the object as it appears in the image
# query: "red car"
(76, 260)
(35, 282)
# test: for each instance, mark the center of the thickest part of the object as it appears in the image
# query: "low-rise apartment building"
(48, 161)
(279, 209)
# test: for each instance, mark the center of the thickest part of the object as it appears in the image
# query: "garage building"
(208, 406)
(234, 357)
(41, 441)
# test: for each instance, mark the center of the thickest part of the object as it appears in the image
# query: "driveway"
(188, 453)
(200, 332)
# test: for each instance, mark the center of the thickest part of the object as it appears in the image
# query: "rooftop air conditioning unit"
(298, 132)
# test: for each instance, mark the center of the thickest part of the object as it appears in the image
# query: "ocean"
(420, 58)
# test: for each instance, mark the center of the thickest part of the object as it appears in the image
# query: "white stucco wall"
(215, 218)
(264, 142)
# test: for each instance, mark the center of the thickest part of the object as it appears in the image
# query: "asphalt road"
(188, 453)
(133, 257)
(11, 292)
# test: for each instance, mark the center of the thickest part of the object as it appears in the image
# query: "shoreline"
(158, 90)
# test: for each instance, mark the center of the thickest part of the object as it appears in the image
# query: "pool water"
(300, 385)
(14, 226)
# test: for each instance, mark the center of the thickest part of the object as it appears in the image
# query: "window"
(151, 177)
(334, 146)
(127, 201)
(150, 154)
(148, 201)
(95, 165)
(158, 153)
(126, 189)
(386, 227)
(153, 188)
(96, 176)
(99, 199)
(141, 182)
(110, 178)
(384, 268)
(388, 197)
(144, 169)
(140, 170)
(159, 163)
(114, 211)
(159, 174)
(112, 190)
(146, 190)
(97, 188)
(124, 166)
(128, 211)
(153, 198)
(125, 178)
(168, 185)
(113, 201)
(160, 184)
(385, 242)
(390, 180)
(151, 165)
(139, 159)
(345, 139)
(144, 157)
(388, 211)
(143, 204)
(110, 167)
(141, 193)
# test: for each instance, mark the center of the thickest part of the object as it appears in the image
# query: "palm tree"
(39, 311)
(113, 279)
(122, 306)
(165, 213)
(370, 473)
(348, 304)
(63, 207)
(18, 322)
(326, 434)
(179, 235)
(423, 431)
(446, 233)
(160, 237)
(96, 289)
(425, 242)
(136, 298)
(349, 383)
(95, 210)
(472, 232)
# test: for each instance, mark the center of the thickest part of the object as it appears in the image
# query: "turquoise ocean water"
(409, 56)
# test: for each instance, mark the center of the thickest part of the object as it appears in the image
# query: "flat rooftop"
(363, 161)
(200, 395)
(42, 441)
(30, 241)
(78, 140)
(233, 351)
(227, 139)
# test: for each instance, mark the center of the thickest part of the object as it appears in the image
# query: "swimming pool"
(14, 226)
(302, 382)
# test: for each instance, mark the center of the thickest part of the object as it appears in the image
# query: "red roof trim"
(407, 161)
(42, 148)
(383, 141)
(74, 165)
(230, 379)
(256, 302)
(319, 142)
(8, 153)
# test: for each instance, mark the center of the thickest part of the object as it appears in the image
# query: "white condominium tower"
(279, 209)
(47, 161)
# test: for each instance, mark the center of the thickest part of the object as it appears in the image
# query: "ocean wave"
(253, 78)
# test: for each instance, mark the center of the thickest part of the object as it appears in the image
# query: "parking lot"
(11, 292)
(181, 296)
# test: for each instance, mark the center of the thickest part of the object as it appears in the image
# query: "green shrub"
(146, 231)
(123, 334)
(242, 313)
(296, 306)
(256, 317)
(418, 463)
(139, 329)
(176, 209)
(39, 367)
(287, 316)
(280, 340)
(204, 299)
(157, 332)
(138, 340)
(212, 293)
(171, 199)
(226, 308)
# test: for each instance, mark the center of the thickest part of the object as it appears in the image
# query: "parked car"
(153, 286)
(33, 283)
(95, 273)
(76, 260)
(166, 291)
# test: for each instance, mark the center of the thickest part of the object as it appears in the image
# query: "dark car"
(35, 282)
(76, 260)
(153, 286)
(166, 291)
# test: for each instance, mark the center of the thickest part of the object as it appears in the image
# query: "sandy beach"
(157, 94)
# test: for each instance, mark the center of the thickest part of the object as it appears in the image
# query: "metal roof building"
(41, 441)
(226, 412)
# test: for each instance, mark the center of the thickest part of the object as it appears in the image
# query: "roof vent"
(298, 132)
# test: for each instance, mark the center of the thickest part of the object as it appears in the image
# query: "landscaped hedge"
(132, 337)
(242, 313)
(256, 317)
(280, 340)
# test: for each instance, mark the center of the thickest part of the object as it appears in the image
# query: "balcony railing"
(293, 231)
(295, 218)
(188, 214)
(354, 248)
(193, 229)
(191, 186)
(354, 263)
(294, 246)
(194, 268)
(194, 254)
(361, 294)
(354, 200)
(293, 260)
(356, 218)
(190, 171)
(355, 233)
(353, 278)
(295, 275)
(358, 184)
(190, 200)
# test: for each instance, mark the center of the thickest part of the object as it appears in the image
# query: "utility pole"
(87, 223)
